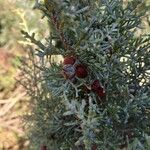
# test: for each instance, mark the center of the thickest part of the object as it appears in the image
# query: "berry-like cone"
(81, 71)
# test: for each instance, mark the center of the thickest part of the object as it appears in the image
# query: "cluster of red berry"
(72, 68)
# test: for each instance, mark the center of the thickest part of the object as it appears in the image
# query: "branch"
(57, 26)
(33, 40)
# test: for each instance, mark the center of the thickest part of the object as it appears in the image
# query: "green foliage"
(102, 35)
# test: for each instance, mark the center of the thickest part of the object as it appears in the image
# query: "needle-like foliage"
(105, 106)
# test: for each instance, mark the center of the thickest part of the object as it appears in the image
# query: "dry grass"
(13, 104)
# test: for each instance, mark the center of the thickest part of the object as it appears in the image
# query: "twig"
(7, 107)
(33, 40)
(57, 26)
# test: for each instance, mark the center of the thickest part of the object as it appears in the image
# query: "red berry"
(69, 60)
(43, 147)
(81, 71)
(94, 147)
(96, 87)
(100, 92)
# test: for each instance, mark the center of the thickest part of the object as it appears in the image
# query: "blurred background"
(17, 15)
